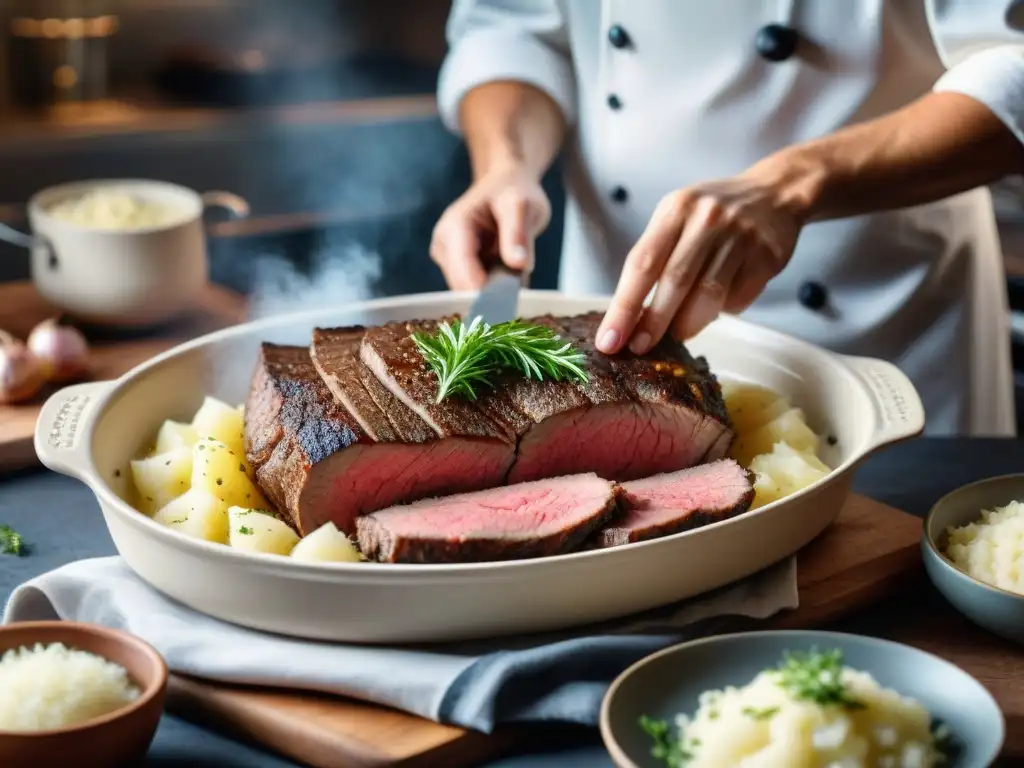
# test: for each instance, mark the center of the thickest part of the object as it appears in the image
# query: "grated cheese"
(53, 686)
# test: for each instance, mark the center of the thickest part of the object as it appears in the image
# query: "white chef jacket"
(694, 100)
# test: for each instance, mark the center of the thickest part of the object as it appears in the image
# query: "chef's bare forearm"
(511, 124)
(941, 145)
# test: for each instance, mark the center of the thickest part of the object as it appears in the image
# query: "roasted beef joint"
(350, 426)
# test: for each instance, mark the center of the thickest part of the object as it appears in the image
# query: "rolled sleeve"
(982, 47)
(488, 42)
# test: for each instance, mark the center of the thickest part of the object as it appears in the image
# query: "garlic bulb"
(21, 374)
(61, 349)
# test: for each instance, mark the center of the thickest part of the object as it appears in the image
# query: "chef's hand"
(709, 248)
(499, 216)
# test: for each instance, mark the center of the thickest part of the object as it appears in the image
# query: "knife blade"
(498, 300)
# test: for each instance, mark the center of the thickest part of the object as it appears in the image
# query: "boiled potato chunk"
(159, 479)
(220, 471)
(174, 434)
(751, 406)
(197, 513)
(791, 427)
(219, 421)
(784, 471)
(326, 545)
(255, 531)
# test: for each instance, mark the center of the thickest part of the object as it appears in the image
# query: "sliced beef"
(518, 521)
(335, 353)
(317, 463)
(639, 416)
(677, 501)
(389, 351)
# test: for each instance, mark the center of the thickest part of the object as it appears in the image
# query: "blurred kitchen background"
(320, 113)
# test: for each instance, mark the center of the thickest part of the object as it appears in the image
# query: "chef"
(819, 166)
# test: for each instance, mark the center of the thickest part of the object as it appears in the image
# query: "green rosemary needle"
(466, 358)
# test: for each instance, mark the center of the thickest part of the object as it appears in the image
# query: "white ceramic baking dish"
(91, 431)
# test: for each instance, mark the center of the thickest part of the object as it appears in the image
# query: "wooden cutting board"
(869, 554)
(21, 308)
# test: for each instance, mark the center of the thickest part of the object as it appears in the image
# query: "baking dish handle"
(899, 413)
(59, 429)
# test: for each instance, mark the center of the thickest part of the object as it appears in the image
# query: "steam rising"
(371, 182)
(340, 274)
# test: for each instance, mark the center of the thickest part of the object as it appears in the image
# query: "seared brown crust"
(335, 353)
(377, 542)
(292, 421)
(667, 374)
(390, 352)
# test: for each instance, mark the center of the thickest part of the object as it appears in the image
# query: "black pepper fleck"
(220, 481)
(832, 440)
(117, 473)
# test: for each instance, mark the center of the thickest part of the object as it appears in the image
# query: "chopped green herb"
(466, 357)
(245, 530)
(760, 714)
(201, 447)
(667, 747)
(816, 676)
(167, 463)
(241, 467)
(177, 522)
(11, 542)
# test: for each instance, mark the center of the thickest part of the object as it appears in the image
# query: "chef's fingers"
(455, 248)
(707, 299)
(686, 264)
(518, 220)
(642, 269)
(748, 284)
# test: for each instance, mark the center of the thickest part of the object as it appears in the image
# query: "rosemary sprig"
(468, 357)
(816, 676)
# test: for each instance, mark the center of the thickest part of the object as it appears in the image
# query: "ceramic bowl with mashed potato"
(973, 550)
(120, 252)
(799, 699)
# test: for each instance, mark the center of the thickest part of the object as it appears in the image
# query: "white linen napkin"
(415, 679)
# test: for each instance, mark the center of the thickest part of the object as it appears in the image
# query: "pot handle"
(236, 205)
(899, 412)
(59, 433)
(15, 237)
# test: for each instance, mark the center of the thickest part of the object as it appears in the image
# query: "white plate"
(91, 431)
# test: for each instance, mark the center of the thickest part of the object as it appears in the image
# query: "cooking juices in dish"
(434, 441)
(989, 550)
(110, 209)
(810, 711)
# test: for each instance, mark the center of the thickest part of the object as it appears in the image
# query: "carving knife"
(498, 300)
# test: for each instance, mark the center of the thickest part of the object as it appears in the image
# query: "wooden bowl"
(116, 738)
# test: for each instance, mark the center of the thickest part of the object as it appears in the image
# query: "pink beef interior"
(524, 511)
(719, 487)
(366, 478)
(621, 441)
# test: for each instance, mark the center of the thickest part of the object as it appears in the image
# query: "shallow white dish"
(91, 431)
